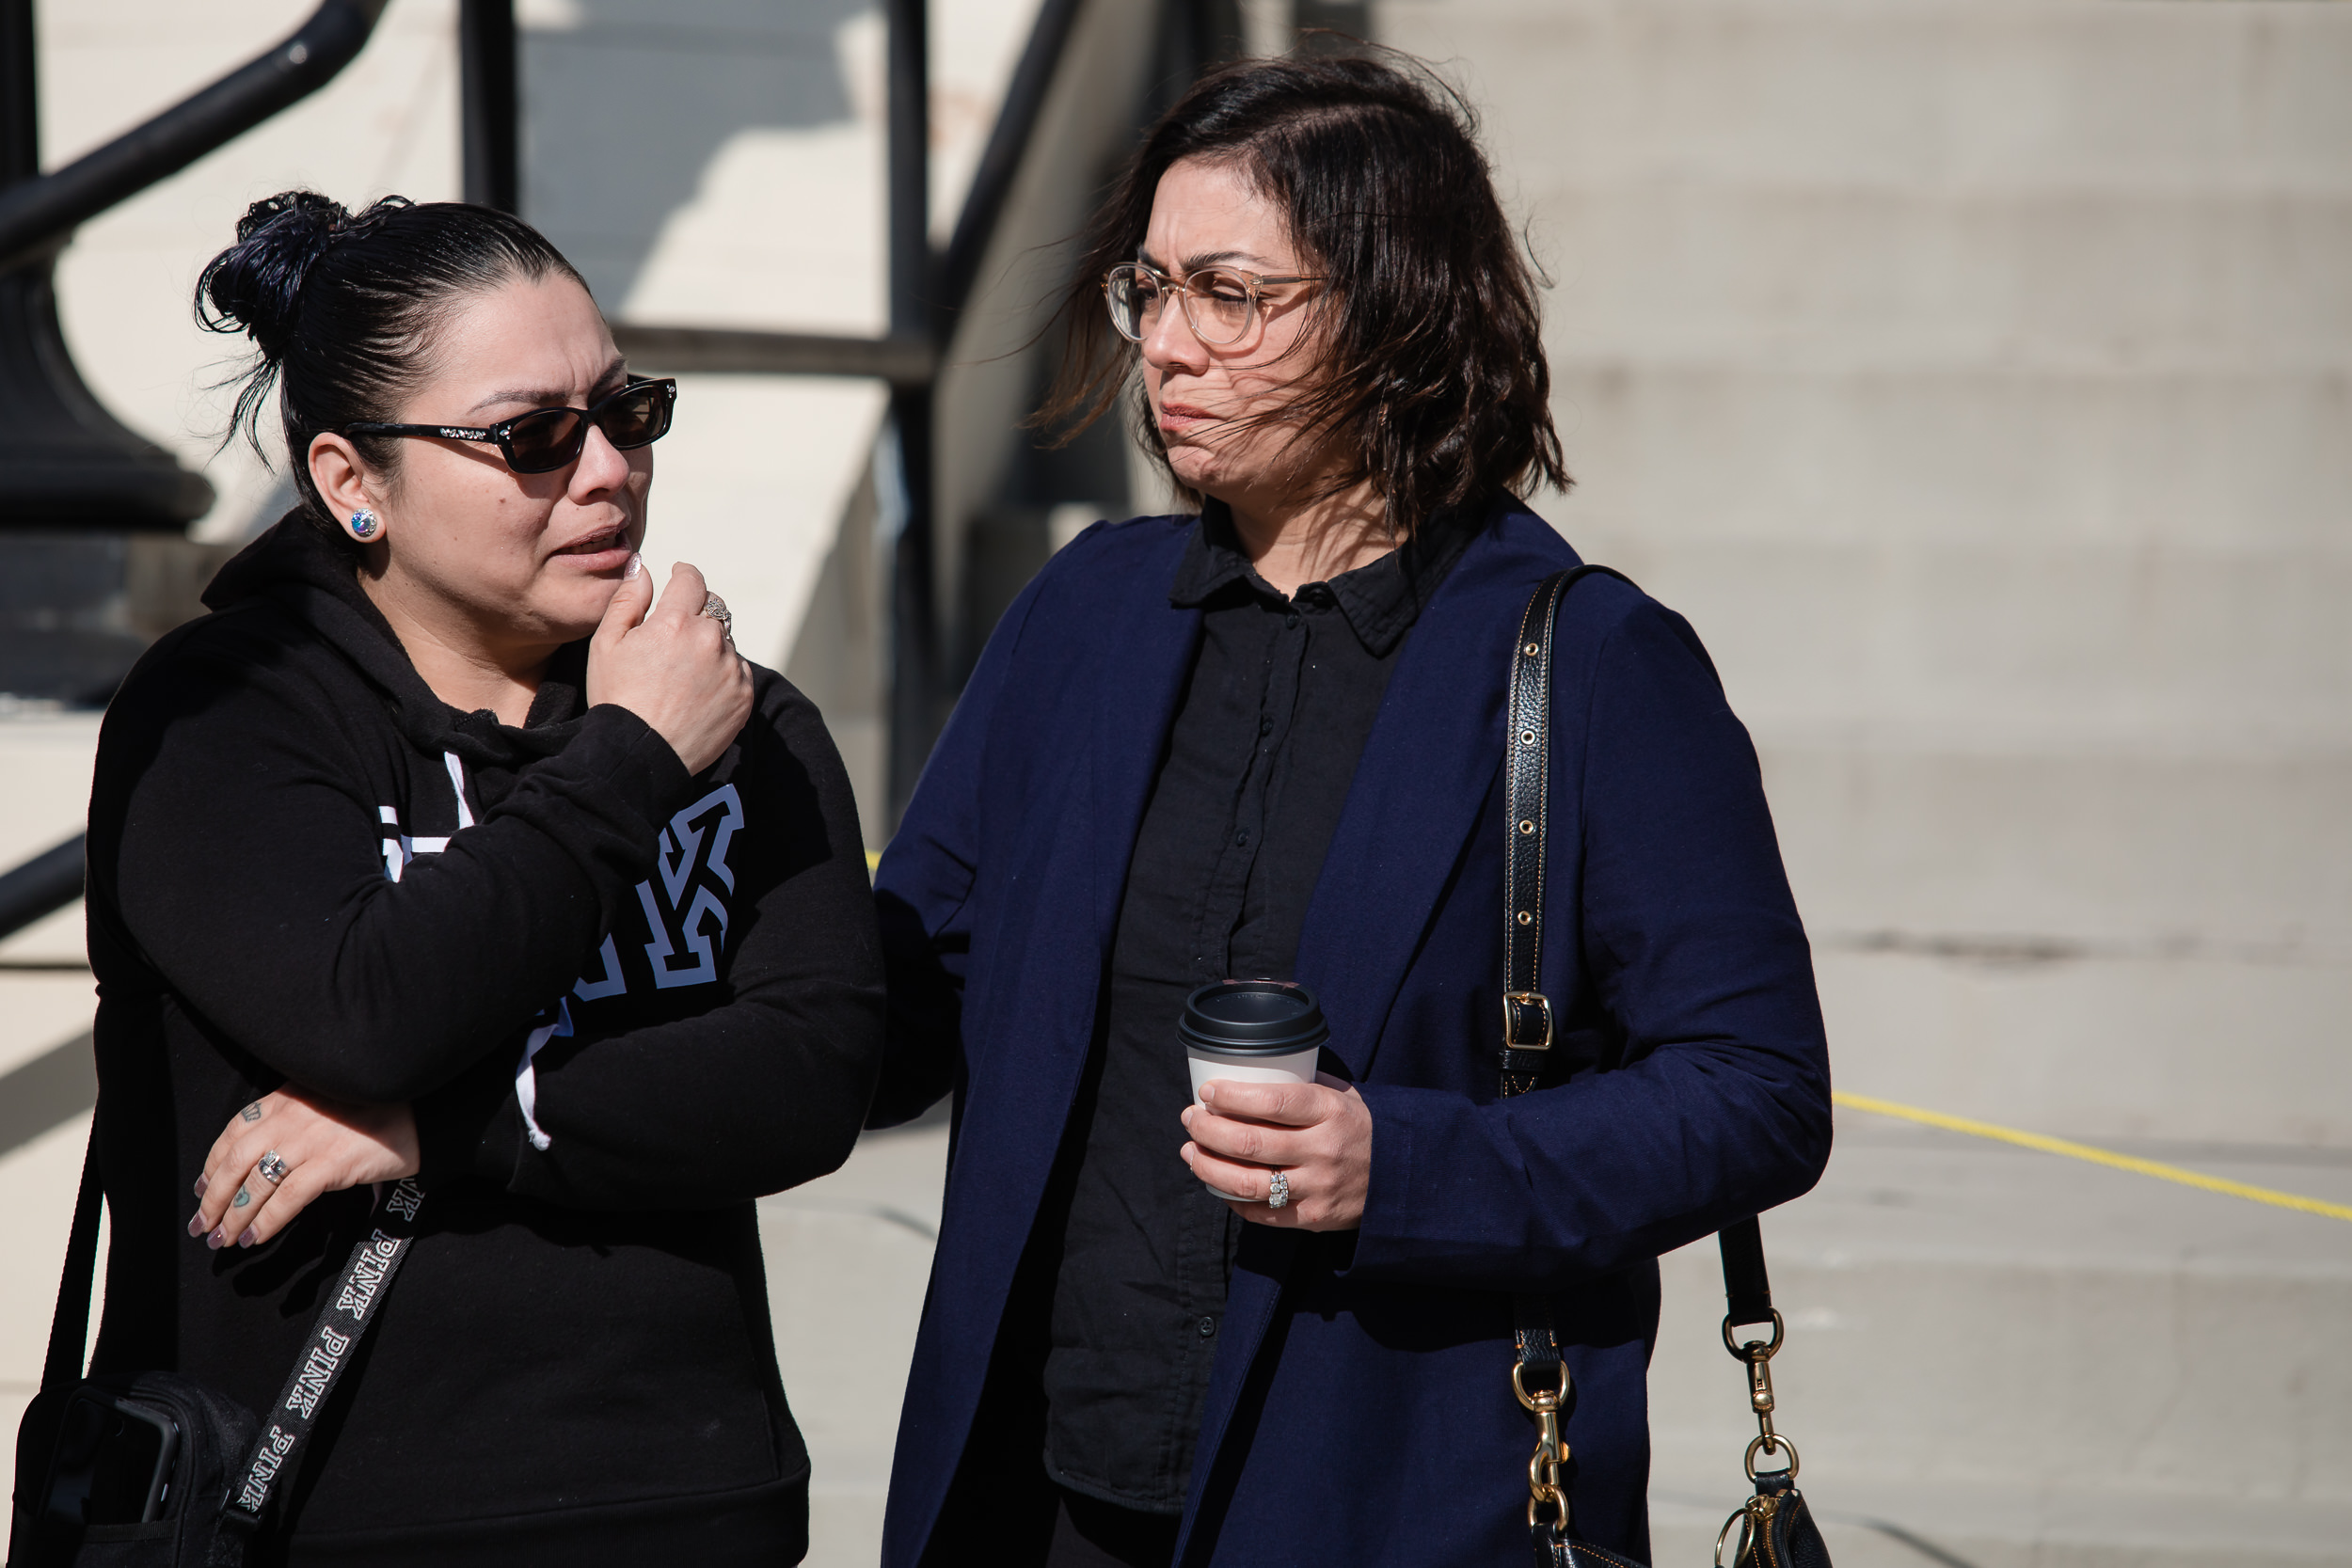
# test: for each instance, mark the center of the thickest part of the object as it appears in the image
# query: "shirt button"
(1291, 619)
(1265, 726)
(1242, 837)
(1208, 1328)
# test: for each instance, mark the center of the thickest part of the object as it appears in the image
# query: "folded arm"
(231, 845)
(764, 1084)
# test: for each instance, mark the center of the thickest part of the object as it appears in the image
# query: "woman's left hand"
(325, 1146)
(1318, 1134)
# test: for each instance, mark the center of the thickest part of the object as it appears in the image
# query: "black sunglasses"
(546, 440)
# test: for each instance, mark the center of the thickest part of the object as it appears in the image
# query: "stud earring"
(363, 524)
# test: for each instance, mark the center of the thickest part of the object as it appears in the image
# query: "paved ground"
(2162, 1358)
(848, 1258)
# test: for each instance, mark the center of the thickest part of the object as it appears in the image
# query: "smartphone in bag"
(113, 1462)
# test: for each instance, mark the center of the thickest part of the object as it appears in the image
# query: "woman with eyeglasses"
(1263, 739)
(444, 849)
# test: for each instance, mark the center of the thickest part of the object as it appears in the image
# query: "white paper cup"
(1252, 1031)
(1298, 1066)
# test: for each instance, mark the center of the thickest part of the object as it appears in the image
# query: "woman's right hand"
(672, 666)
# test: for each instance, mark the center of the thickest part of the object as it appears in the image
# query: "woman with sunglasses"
(1263, 739)
(444, 851)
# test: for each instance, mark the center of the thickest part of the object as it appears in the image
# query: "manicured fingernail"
(219, 1239)
(250, 1237)
(202, 1182)
(636, 564)
(195, 1223)
(1208, 1094)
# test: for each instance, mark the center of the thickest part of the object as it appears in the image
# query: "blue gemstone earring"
(363, 524)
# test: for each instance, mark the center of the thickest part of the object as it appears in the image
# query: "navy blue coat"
(1359, 1409)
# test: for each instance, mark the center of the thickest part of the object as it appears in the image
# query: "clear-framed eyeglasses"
(1221, 304)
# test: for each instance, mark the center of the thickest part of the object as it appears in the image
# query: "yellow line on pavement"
(2096, 1156)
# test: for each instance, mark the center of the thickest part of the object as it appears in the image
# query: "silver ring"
(272, 1168)
(716, 608)
(1278, 1189)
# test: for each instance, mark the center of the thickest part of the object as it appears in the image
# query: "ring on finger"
(1278, 1189)
(272, 1168)
(716, 608)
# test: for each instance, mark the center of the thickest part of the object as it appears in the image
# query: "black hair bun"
(255, 286)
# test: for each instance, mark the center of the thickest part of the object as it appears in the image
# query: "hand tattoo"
(241, 1198)
(252, 1111)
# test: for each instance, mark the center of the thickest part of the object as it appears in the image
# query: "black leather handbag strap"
(336, 1333)
(1529, 1025)
(1527, 1019)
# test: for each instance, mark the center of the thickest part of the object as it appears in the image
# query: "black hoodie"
(305, 867)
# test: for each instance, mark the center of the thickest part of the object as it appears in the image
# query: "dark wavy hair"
(344, 310)
(1434, 370)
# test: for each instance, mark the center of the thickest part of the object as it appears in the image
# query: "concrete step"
(1975, 375)
(2009, 93)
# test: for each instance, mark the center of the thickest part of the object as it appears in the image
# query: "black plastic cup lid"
(1252, 1018)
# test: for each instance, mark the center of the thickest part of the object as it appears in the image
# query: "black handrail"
(959, 267)
(41, 886)
(37, 215)
(902, 361)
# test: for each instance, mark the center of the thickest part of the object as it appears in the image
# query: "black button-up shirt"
(1282, 699)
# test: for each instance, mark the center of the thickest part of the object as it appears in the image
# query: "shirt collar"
(1381, 601)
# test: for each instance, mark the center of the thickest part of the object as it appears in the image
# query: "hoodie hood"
(295, 566)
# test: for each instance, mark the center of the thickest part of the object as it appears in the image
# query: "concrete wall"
(1977, 377)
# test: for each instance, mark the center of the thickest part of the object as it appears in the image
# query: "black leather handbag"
(153, 1469)
(1772, 1529)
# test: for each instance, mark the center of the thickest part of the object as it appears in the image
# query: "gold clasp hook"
(1552, 1451)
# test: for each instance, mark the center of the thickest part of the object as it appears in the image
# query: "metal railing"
(38, 215)
(929, 289)
(41, 886)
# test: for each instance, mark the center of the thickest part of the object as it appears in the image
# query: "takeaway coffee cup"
(1258, 1031)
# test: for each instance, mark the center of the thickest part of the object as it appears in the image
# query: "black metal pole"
(910, 166)
(20, 109)
(490, 85)
(65, 463)
(914, 605)
(1000, 158)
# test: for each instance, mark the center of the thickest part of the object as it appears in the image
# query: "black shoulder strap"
(1527, 1022)
(1527, 1016)
(69, 1326)
(1747, 1290)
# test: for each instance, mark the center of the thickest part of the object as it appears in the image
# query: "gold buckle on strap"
(1512, 1003)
